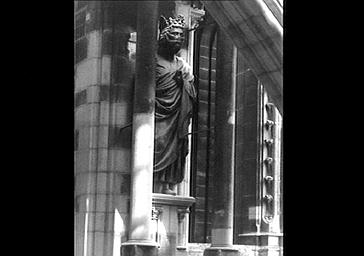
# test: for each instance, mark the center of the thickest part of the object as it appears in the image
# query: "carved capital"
(196, 18)
(181, 213)
(156, 212)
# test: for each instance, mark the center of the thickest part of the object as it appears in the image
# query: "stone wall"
(103, 112)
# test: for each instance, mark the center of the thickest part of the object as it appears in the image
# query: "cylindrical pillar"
(140, 240)
(223, 178)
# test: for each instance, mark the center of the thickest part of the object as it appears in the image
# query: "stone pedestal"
(138, 248)
(221, 251)
(169, 223)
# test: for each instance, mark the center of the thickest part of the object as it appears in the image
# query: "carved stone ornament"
(182, 213)
(156, 212)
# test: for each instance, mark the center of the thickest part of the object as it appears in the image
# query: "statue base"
(139, 248)
(221, 251)
(164, 188)
(169, 221)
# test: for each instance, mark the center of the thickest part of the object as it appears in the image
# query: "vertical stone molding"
(156, 218)
(222, 229)
(140, 238)
(182, 214)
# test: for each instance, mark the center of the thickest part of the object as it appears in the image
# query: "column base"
(139, 248)
(221, 251)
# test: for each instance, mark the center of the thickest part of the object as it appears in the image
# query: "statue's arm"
(188, 79)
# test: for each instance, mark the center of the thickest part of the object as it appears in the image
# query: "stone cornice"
(163, 199)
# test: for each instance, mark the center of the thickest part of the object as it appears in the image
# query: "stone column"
(140, 240)
(222, 229)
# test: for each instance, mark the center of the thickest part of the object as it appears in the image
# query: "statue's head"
(171, 33)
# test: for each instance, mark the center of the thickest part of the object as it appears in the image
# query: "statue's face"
(174, 39)
(175, 35)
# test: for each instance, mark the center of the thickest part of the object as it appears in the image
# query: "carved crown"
(165, 25)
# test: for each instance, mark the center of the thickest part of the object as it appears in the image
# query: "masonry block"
(205, 61)
(203, 83)
(104, 113)
(203, 73)
(119, 160)
(85, 160)
(80, 98)
(85, 182)
(102, 161)
(120, 93)
(93, 50)
(103, 136)
(81, 49)
(86, 73)
(93, 92)
(104, 183)
(122, 114)
(82, 115)
(106, 69)
(99, 244)
(83, 200)
(120, 137)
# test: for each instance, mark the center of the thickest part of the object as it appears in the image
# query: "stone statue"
(174, 99)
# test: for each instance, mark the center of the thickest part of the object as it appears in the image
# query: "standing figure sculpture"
(174, 99)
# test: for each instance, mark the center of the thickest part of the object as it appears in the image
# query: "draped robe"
(173, 108)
